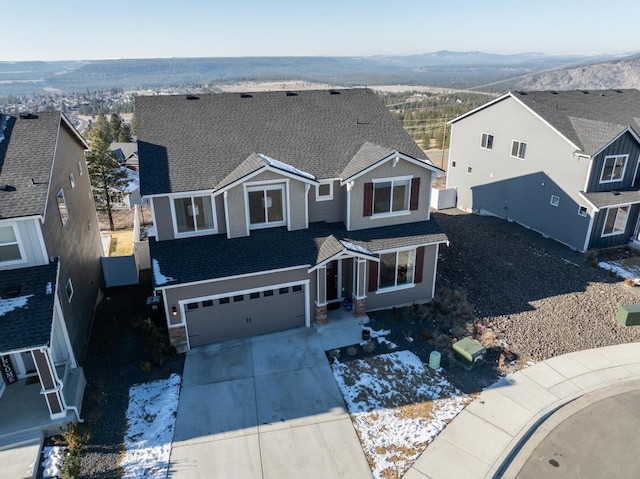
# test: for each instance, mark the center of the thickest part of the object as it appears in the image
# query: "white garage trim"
(307, 312)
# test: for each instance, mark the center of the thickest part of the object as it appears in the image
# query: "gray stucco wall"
(516, 189)
(77, 243)
(420, 293)
(387, 170)
(331, 211)
(625, 145)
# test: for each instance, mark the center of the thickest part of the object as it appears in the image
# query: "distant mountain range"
(460, 70)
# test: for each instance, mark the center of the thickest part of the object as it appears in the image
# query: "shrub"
(74, 440)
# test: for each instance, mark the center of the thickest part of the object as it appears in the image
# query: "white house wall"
(493, 182)
(30, 241)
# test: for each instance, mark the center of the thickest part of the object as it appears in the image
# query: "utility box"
(469, 349)
(628, 315)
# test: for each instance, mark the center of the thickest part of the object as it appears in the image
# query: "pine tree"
(104, 170)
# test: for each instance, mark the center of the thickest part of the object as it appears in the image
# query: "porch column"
(321, 296)
(51, 386)
(360, 294)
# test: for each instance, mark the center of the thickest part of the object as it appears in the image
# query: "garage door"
(238, 316)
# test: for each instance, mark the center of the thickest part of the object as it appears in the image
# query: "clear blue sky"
(89, 29)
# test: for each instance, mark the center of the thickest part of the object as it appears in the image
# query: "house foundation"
(359, 307)
(321, 314)
(178, 339)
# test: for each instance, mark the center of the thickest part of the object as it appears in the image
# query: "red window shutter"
(417, 275)
(368, 199)
(373, 276)
(415, 194)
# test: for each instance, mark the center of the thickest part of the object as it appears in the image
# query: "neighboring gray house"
(50, 275)
(126, 153)
(564, 163)
(271, 208)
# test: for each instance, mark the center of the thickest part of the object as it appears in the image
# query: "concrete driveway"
(264, 407)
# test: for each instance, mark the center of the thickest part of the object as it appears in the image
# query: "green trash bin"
(628, 315)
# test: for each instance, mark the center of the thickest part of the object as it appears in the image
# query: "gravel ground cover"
(118, 348)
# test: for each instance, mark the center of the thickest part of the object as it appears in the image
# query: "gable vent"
(245, 95)
(334, 92)
(192, 97)
(292, 93)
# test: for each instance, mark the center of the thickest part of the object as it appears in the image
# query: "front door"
(332, 281)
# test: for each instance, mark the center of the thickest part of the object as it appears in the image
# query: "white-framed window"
(518, 149)
(69, 289)
(324, 191)
(486, 141)
(193, 215)
(10, 248)
(391, 195)
(615, 221)
(582, 210)
(555, 200)
(62, 207)
(613, 168)
(80, 168)
(396, 269)
(72, 180)
(266, 205)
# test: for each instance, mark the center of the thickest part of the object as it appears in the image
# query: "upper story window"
(72, 180)
(266, 205)
(80, 168)
(518, 149)
(613, 168)
(391, 196)
(397, 269)
(194, 214)
(62, 207)
(486, 141)
(616, 221)
(10, 251)
(324, 191)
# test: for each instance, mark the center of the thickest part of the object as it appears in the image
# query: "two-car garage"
(231, 315)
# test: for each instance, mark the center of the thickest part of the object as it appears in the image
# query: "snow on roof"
(4, 119)
(8, 305)
(49, 288)
(284, 167)
(158, 276)
(133, 179)
(358, 249)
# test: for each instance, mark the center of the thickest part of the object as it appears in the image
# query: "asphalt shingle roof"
(26, 154)
(588, 118)
(187, 145)
(26, 321)
(603, 199)
(275, 248)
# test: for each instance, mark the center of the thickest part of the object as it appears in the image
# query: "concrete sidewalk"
(486, 437)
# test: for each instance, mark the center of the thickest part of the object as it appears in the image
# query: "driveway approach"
(264, 407)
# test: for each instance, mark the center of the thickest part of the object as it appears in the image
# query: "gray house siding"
(494, 182)
(163, 220)
(625, 145)
(387, 170)
(420, 293)
(331, 211)
(597, 241)
(77, 243)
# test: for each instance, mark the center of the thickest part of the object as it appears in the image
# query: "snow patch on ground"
(151, 418)
(397, 406)
(624, 270)
(52, 461)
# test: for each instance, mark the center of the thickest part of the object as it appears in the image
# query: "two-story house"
(563, 163)
(270, 208)
(50, 248)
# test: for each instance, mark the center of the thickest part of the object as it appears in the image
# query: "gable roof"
(27, 149)
(194, 144)
(26, 320)
(589, 119)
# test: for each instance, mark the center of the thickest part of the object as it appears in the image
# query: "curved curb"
(485, 439)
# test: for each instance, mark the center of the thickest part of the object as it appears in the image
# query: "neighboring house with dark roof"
(565, 163)
(271, 208)
(50, 275)
(126, 153)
